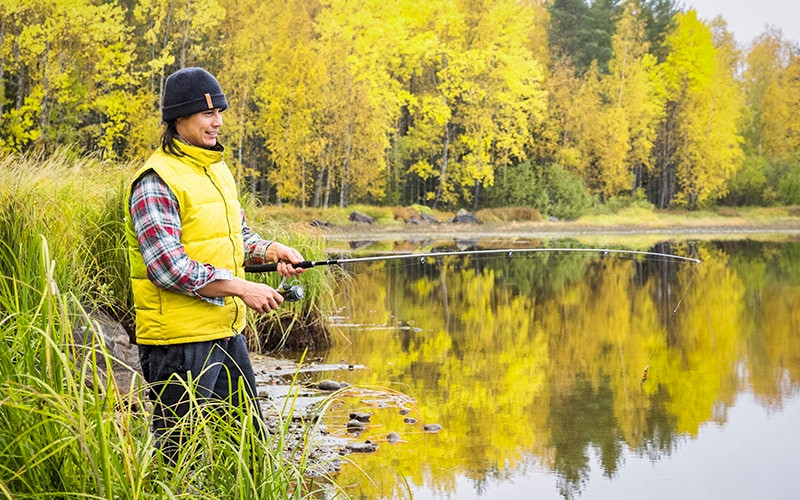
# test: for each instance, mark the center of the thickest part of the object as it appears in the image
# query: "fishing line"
(686, 290)
(675, 310)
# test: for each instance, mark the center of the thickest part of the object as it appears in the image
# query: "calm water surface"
(575, 375)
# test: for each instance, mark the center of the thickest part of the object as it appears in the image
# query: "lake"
(572, 374)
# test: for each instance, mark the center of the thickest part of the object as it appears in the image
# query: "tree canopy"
(447, 103)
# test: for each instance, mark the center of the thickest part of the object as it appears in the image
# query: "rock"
(355, 426)
(124, 354)
(410, 420)
(329, 385)
(431, 428)
(414, 221)
(393, 437)
(356, 244)
(361, 218)
(361, 417)
(464, 217)
(365, 447)
(319, 223)
(429, 218)
(466, 244)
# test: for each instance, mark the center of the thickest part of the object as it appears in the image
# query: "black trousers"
(215, 368)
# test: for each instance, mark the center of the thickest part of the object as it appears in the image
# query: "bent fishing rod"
(295, 292)
(509, 252)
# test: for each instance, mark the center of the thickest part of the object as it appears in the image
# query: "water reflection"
(564, 364)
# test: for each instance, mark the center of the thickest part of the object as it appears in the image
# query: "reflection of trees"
(539, 358)
(582, 418)
(663, 278)
(658, 435)
(771, 275)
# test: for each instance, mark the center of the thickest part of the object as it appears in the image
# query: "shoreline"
(688, 230)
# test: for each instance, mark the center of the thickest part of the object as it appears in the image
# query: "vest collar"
(200, 156)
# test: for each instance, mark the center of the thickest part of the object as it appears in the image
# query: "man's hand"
(257, 296)
(285, 257)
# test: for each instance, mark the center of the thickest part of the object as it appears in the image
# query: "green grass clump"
(66, 199)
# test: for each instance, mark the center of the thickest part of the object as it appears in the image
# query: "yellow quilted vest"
(211, 233)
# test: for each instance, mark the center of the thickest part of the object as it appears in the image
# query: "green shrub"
(568, 196)
(519, 185)
(421, 209)
(616, 203)
(749, 185)
(789, 185)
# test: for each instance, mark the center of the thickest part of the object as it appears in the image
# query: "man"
(187, 243)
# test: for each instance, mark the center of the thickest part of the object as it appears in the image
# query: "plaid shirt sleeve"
(156, 220)
(255, 247)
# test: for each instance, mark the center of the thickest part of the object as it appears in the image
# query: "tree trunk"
(443, 170)
(317, 188)
(327, 188)
(45, 90)
(186, 26)
(346, 167)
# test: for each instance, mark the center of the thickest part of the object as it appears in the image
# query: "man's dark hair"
(168, 138)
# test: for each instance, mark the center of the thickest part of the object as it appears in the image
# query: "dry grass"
(631, 218)
(509, 214)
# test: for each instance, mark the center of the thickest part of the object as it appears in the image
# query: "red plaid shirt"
(157, 222)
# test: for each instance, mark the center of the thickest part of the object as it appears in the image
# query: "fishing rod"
(295, 292)
(271, 267)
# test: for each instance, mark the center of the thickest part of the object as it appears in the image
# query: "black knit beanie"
(191, 90)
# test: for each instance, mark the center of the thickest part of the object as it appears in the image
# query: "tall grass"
(301, 319)
(66, 428)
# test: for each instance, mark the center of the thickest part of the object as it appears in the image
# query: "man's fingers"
(287, 269)
(263, 298)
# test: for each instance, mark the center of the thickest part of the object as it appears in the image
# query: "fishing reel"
(292, 292)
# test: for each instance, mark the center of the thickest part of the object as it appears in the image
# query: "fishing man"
(188, 241)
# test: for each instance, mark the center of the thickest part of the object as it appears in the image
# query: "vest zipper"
(230, 238)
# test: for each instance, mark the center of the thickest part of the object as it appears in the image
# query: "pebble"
(431, 427)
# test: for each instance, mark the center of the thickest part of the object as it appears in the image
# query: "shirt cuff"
(258, 252)
(216, 274)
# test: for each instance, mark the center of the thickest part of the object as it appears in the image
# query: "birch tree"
(701, 146)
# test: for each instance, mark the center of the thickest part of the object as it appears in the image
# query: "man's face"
(200, 129)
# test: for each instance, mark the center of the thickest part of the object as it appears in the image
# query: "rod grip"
(273, 266)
